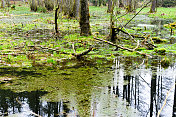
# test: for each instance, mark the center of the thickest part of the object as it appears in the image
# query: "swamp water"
(151, 26)
(128, 87)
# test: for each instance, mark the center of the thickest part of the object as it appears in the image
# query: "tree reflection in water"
(145, 89)
(174, 107)
(141, 88)
(30, 104)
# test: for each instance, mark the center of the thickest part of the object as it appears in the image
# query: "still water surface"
(127, 86)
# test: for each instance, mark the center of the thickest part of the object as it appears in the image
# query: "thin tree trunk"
(153, 6)
(76, 8)
(49, 4)
(84, 18)
(2, 3)
(120, 3)
(95, 3)
(109, 6)
(33, 5)
(56, 17)
(135, 5)
(129, 6)
(8, 3)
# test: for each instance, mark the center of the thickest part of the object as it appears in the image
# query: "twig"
(133, 10)
(136, 14)
(145, 81)
(19, 101)
(126, 31)
(73, 46)
(140, 64)
(165, 100)
(136, 46)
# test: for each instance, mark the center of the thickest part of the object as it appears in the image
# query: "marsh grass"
(28, 39)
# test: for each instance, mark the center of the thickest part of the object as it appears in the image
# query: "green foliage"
(166, 13)
(20, 10)
(51, 60)
(171, 25)
(1, 47)
(158, 40)
(42, 9)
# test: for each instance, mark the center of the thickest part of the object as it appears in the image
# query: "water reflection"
(174, 107)
(129, 88)
(29, 104)
(146, 88)
(154, 25)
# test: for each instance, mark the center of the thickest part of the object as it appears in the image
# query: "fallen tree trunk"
(124, 48)
(78, 56)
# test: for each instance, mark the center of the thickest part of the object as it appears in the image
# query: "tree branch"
(124, 48)
(78, 56)
(136, 14)
(136, 46)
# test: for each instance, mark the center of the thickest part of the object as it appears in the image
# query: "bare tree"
(84, 18)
